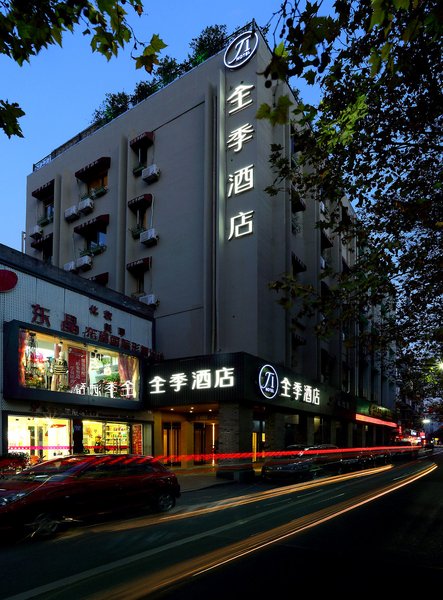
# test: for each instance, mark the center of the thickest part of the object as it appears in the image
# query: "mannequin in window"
(48, 373)
(59, 373)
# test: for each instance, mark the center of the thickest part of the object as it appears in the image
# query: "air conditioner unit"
(149, 299)
(37, 232)
(151, 174)
(70, 266)
(72, 213)
(84, 262)
(86, 206)
(149, 237)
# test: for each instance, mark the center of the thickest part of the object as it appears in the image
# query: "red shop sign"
(8, 280)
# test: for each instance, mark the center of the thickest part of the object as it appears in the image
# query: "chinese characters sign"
(237, 377)
(271, 386)
(240, 180)
(203, 379)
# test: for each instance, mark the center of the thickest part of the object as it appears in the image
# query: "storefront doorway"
(171, 443)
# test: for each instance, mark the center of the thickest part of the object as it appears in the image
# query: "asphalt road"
(252, 540)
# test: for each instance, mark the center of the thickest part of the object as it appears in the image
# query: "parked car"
(404, 450)
(301, 463)
(44, 498)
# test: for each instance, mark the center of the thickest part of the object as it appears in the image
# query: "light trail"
(137, 589)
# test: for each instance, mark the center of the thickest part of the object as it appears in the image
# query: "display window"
(101, 437)
(40, 437)
(59, 365)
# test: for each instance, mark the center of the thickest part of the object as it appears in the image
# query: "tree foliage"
(375, 137)
(27, 27)
(212, 40)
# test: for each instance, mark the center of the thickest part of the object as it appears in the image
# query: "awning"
(140, 202)
(144, 140)
(45, 241)
(98, 223)
(44, 191)
(101, 278)
(98, 167)
(140, 266)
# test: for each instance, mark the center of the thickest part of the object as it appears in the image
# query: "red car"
(43, 498)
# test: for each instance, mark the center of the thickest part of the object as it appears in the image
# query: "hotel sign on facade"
(236, 377)
(240, 100)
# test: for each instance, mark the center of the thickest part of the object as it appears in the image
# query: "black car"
(43, 498)
(301, 463)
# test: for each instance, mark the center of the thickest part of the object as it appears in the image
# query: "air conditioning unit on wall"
(84, 262)
(149, 237)
(72, 213)
(86, 206)
(151, 174)
(150, 300)
(37, 232)
(70, 266)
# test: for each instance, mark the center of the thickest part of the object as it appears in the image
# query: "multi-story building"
(167, 204)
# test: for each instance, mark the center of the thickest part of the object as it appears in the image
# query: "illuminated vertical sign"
(241, 180)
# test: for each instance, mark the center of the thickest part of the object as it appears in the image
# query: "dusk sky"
(61, 88)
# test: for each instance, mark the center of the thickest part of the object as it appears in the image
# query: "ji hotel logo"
(240, 50)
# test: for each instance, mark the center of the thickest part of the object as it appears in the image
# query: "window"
(58, 365)
(98, 185)
(95, 177)
(139, 283)
(96, 241)
(140, 146)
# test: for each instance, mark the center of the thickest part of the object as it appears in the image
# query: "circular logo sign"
(241, 49)
(8, 280)
(268, 381)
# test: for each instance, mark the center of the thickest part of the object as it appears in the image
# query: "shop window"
(41, 438)
(59, 365)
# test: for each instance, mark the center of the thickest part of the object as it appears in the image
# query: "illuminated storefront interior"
(54, 364)
(44, 437)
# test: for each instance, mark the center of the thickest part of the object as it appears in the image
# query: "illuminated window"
(50, 363)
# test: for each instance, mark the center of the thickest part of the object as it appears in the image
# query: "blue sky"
(61, 87)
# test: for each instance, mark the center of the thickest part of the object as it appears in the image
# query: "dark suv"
(300, 463)
(69, 489)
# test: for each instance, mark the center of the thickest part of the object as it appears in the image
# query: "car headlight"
(5, 500)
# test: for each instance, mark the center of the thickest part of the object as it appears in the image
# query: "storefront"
(228, 404)
(74, 356)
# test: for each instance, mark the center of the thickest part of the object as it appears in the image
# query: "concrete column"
(275, 431)
(235, 436)
(187, 442)
(310, 430)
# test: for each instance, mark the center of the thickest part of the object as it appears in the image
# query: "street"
(377, 530)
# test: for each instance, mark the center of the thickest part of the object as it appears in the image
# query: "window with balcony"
(140, 146)
(140, 207)
(137, 269)
(94, 178)
(45, 195)
(95, 243)
(94, 234)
